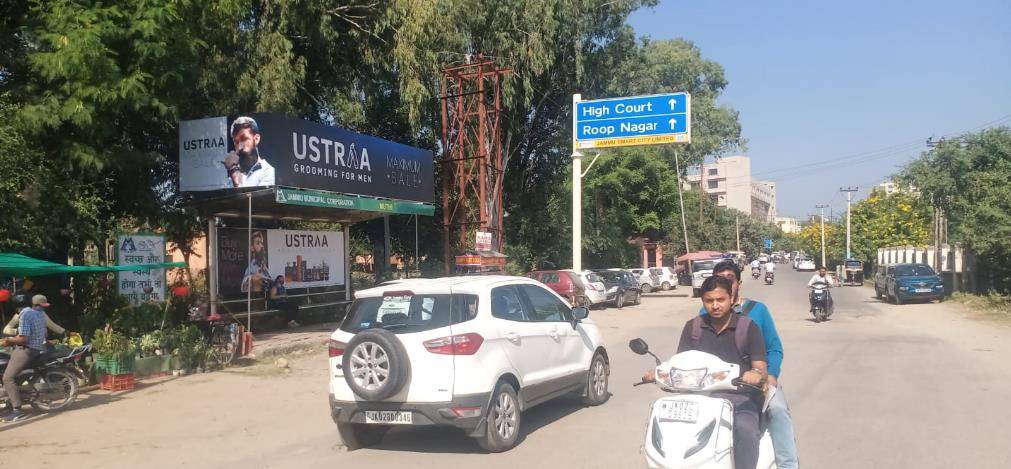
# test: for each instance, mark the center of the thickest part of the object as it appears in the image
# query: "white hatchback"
(468, 352)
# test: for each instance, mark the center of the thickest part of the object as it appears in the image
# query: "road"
(877, 386)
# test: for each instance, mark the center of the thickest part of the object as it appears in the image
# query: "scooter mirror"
(638, 346)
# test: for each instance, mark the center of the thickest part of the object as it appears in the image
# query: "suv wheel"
(646, 288)
(375, 364)
(665, 286)
(619, 300)
(503, 428)
(360, 435)
(638, 298)
(596, 382)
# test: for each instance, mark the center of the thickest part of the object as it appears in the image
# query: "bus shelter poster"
(254, 261)
(306, 258)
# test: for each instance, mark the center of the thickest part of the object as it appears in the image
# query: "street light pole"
(849, 198)
(822, 207)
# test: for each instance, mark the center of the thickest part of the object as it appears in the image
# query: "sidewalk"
(284, 341)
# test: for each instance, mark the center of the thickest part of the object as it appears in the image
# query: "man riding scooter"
(778, 419)
(770, 269)
(821, 278)
(756, 268)
(717, 337)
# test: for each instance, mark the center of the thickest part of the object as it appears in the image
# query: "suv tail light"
(461, 344)
(336, 348)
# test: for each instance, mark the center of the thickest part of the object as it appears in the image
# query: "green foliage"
(111, 343)
(968, 179)
(899, 219)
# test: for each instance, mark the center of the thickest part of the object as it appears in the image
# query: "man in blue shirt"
(28, 345)
(778, 418)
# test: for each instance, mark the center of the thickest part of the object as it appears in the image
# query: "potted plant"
(114, 352)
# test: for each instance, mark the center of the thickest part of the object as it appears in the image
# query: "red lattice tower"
(472, 169)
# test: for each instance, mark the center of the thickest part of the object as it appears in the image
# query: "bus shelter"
(252, 176)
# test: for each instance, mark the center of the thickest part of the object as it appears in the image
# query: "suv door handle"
(513, 337)
(553, 332)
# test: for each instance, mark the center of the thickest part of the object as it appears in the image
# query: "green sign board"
(290, 196)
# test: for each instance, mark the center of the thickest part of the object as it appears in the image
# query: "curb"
(300, 346)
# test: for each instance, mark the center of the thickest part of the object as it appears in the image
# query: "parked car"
(622, 285)
(564, 282)
(668, 278)
(806, 264)
(647, 280)
(596, 291)
(466, 352)
(904, 282)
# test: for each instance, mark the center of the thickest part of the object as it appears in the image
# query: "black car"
(623, 285)
(903, 282)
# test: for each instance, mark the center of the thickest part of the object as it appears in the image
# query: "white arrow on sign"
(672, 103)
(672, 123)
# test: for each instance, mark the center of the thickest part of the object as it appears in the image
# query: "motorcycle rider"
(756, 266)
(28, 345)
(821, 277)
(717, 338)
(778, 419)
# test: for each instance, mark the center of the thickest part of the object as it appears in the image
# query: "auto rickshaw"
(853, 272)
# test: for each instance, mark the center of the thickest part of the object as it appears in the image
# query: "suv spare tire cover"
(369, 355)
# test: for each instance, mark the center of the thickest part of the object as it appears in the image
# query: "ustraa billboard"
(265, 149)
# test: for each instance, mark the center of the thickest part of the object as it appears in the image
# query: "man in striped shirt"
(28, 345)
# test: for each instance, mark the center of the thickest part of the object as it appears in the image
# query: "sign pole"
(212, 263)
(577, 194)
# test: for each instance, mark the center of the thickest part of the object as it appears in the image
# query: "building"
(890, 187)
(789, 225)
(728, 181)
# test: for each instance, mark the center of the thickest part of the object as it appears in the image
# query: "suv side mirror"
(580, 313)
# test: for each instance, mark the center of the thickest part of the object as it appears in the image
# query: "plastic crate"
(122, 382)
(114, 365)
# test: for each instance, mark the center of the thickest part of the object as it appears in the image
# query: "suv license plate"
(924, 290)
(680, 411)
(388, 417)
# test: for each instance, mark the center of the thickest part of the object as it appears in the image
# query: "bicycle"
(222, 335)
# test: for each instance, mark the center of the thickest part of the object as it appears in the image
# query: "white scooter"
(692, 429)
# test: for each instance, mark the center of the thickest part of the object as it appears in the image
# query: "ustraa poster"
(303, 258)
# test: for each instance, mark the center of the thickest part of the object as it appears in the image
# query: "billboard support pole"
(249, 258)
(212, 263)
(348, 259)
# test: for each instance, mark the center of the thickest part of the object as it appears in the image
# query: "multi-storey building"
(728, 181)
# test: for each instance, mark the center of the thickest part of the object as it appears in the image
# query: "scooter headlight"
(687, 379)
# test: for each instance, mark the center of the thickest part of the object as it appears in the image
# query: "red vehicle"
(564, 282)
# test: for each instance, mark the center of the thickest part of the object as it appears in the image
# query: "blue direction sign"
(633, 120)
(768, 243)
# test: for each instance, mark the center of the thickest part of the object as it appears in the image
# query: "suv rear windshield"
(408, 313)
(593, 278)
(913, 271)
(703, 265)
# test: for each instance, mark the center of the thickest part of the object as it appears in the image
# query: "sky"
(835, 94)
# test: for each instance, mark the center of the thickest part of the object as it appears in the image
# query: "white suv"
(468, 352)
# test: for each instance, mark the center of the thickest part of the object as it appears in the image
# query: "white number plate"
(388, 417)
(680, 411)
(818, 291)
(924, 290)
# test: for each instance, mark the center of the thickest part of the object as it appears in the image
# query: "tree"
(968, 178)
(899, 219)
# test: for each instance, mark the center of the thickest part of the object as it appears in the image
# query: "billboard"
(265, 149)
(303, 258)
(141, 286)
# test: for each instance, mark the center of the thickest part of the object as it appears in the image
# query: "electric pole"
(822, 207)
(849, 198)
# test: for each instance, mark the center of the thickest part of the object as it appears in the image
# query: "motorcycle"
(692, 429)
(820, 305)
(49, 383)
(755, 272)
(769, 277)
